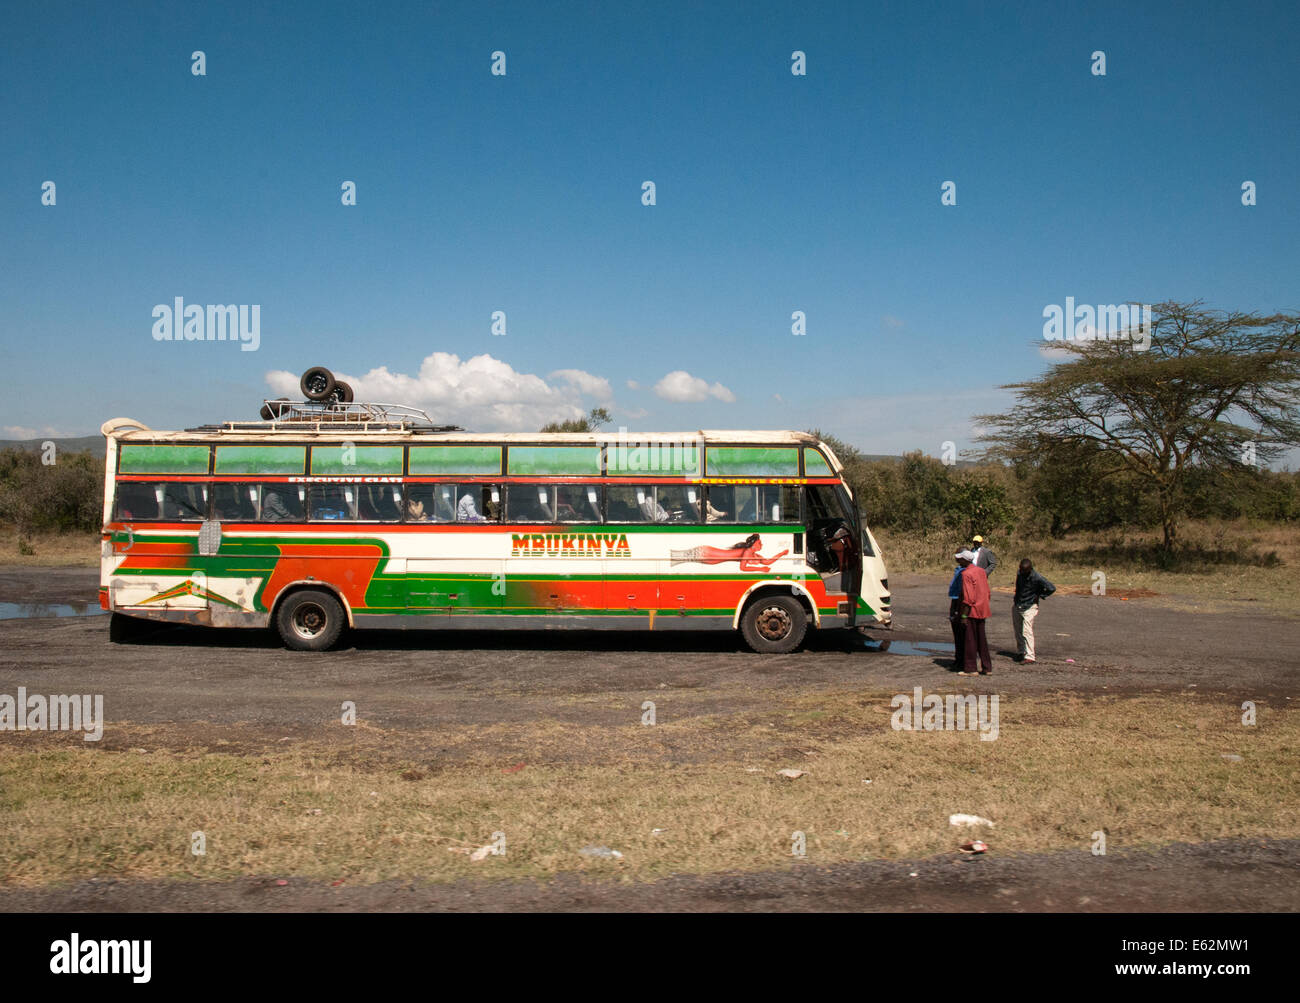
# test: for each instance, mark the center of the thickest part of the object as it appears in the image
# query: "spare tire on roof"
(274, 409)
(316, 383)
(341, 394)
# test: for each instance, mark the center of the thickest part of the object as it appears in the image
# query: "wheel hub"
(308, 620)
(774, 623)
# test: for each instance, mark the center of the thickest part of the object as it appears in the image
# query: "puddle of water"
(930, 648)
(36, 610)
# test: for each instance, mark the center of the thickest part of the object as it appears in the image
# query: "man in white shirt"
(467, 508)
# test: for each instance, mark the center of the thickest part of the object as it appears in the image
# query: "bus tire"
(272, 410)
(774, 624)
(317, 383)
(310, 620)
(341, 394)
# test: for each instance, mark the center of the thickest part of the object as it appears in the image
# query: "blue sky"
(522, 193)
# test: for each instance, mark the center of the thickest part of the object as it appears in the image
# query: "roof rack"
(320, 416)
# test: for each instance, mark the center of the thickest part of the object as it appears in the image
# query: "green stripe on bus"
(349, 460)
(652, 459)
(455, 461)
(261, 459)
(555, 461)
(137, 459)
(751, 461)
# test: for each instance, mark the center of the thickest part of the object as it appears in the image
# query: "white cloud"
(633, 385)
(891, 321)
(481, 393)
(1056, 351)
(585, 383)
(23, 432)
(681, 386)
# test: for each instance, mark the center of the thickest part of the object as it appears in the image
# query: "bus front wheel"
(774, 625)
(310, 620)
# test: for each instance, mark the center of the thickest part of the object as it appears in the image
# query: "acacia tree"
(1215, 390)
(590, 422)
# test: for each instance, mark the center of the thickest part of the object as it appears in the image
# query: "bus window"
(778, 503)
(379, 502)
(478, 503)
(185, 502)
(280, 502)
(332, 503)
(577, 503)
(621, 503)
(680, 501)
(653, 503)
(234, 502)
(138, 500)
(530, 503)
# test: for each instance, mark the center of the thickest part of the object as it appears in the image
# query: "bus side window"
(233, 502)
(778, 503)
(184, 501)
(577, 503)
(621, 503)
(136, 500)
(281, 503)
(530, 503)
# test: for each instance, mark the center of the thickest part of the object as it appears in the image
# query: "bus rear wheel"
(310, 620)
(774, 625)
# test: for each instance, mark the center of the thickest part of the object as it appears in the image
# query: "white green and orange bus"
(316, 524)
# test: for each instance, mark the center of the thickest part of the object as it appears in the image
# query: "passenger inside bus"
(276, 499)
(577, 503)
(185, 502)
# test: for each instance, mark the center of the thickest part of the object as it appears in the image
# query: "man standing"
(974, 614)
(1031, 588)
(984, 558)
(954, 617)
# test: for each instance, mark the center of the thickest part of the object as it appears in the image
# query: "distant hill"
(80, 444)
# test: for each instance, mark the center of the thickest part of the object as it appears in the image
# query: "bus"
(342, 516)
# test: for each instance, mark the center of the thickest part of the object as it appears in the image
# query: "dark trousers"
(958, 632)
(977, 644)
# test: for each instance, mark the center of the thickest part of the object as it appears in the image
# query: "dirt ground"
(205, 681)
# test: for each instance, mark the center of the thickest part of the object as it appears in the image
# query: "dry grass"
(50, 550)
(1147, 770)
(1217, 561)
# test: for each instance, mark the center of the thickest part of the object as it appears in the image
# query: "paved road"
(186, 674)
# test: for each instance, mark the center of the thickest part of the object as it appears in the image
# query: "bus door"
(833, 550)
